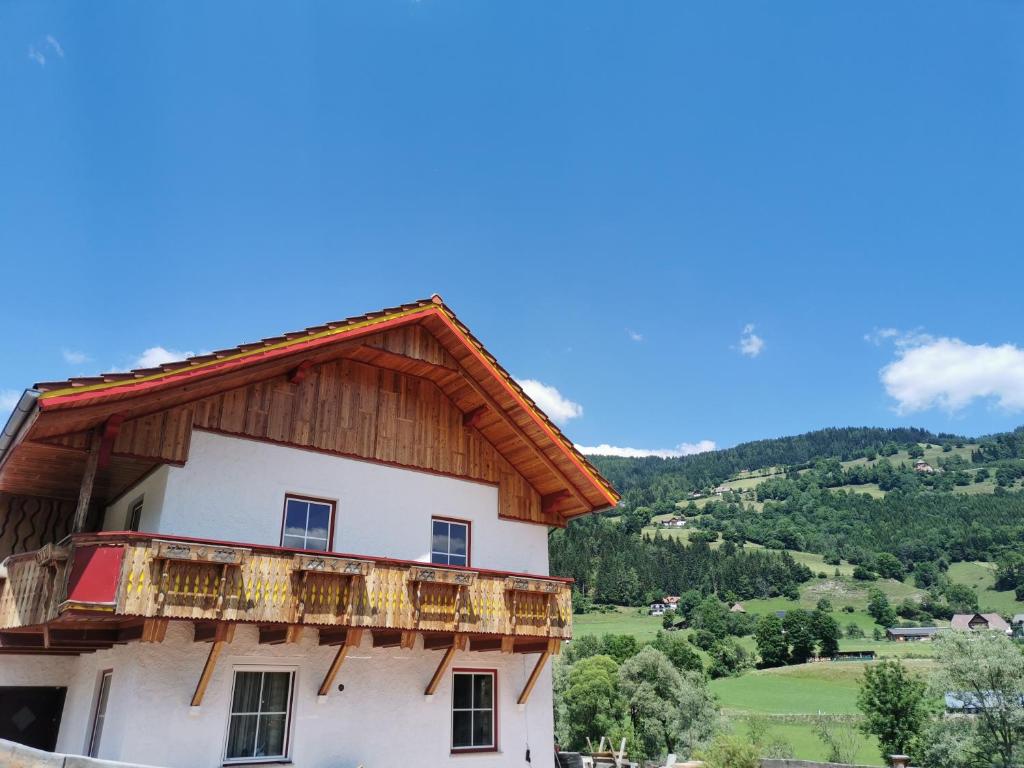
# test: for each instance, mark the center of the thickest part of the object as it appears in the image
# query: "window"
(100, 714)
(473, 711)
(308, 523)
(449, 544)
(260, 710)
(134, 515)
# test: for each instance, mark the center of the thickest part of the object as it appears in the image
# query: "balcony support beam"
(211, 663)
(352, 640)
(446, 660)
(553, 648)
(92, 461)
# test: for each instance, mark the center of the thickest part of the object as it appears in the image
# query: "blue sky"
(694, 221)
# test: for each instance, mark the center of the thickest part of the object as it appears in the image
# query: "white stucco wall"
(381, 718)
(233, 489)
(151, 489)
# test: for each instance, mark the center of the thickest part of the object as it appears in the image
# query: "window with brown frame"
(474, 710)
(449, 541)
(308, 523)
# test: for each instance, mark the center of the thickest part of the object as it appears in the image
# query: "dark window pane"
(483, 691)
(241, 736)
(275, 691)
(319, 521)
(462, 729)
(457, 560)
(458, 540)
(483, 731)
(439, 559)
(247, 692)
(271, 736)
(463, 698)
(295, 517)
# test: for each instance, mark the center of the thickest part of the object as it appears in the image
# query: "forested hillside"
(861, 495)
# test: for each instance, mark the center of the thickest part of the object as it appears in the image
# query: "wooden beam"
(479, 644)
(111, 427)
(213, 631)
(553, 646)
(207, 673)
(521, 434)
(298, 374)
(352, 640)
(335, 635)
(88, 478)
(508, 644)
(386, 639)
(445, 662)
(438, 642)
(473, 418)
(279, 634)
(408, 639)
(154, 630)
(549, 503)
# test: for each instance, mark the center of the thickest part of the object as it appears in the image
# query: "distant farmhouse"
(975, 622)
(674, 522)
(910, 634)
(924, 467)
(721, 489)
(738, 608)
(657, 609)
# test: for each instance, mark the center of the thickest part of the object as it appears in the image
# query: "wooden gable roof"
(474, 411)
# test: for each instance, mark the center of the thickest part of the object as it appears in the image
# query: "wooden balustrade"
(135, 576)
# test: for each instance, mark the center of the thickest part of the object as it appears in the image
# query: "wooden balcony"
(53, 598)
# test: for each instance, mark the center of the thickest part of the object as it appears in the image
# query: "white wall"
(151, 489)
(233, 489)
(381, 718)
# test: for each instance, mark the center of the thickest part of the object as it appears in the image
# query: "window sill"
(268, 761)
(471, 752)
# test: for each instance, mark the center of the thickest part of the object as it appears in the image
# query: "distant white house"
(674, 522)
(657, 609)
(721, 489)
(923, 466)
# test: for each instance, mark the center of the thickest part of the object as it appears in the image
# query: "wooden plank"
(88, 478)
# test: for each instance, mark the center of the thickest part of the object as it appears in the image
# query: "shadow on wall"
(14, 755)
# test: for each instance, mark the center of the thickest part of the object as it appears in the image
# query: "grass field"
(806, 744)
(981, 577)
(622, 621)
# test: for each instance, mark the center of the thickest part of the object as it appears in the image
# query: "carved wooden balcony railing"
(132, 576)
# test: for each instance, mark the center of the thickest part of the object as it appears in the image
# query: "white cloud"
(751, 344)
(683, 449)
(37, 56)
(156, 356)
(551, 401)
(949, 373)
(635, 335)
(55, 46)
(74, 357)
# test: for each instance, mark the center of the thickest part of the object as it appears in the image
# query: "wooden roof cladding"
(263, 390)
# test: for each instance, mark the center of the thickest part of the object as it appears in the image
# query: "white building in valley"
(327, 548)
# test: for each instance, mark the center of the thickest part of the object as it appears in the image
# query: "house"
(737, 608)
(324, 548)
(657, 609)
(671, 601)
(923, 466)
(1017, 626)
(992, 622)
(910, 634)
(674, 522)
(721, 489)
(696, 494)
(971, 703)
